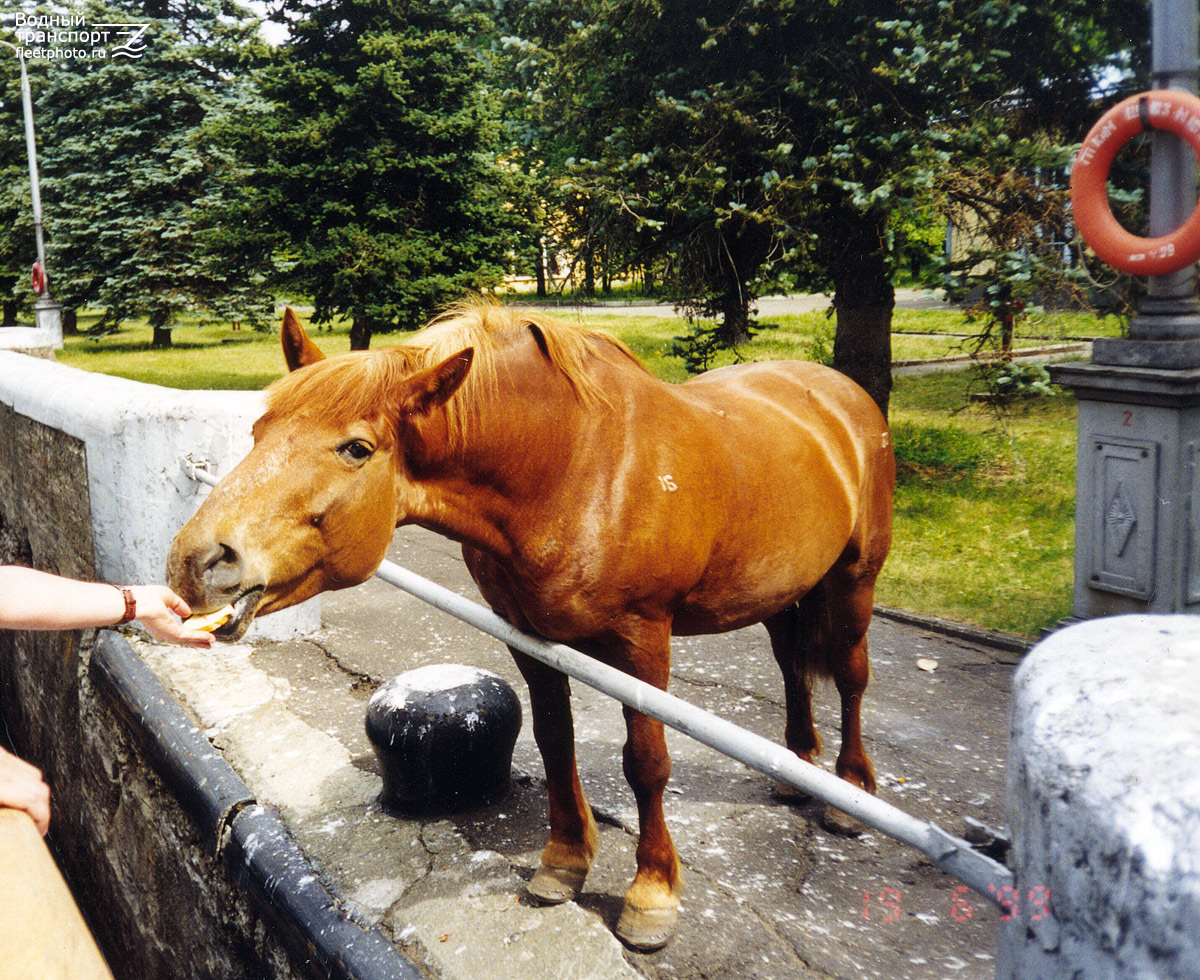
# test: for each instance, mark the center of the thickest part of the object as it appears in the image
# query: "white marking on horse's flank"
(668, 483)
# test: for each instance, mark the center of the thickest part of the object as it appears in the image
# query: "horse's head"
(314, 504)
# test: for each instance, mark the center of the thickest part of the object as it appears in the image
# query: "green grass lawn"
(984, 529)
(201, 356)
(985, 510)
(1052, 326)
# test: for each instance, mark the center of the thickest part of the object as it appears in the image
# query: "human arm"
(22, 788)
(33, 600)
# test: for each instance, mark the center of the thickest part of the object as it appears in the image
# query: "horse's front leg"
(652, 902)
(573, 836)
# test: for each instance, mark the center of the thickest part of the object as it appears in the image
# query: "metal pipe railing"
(953, 855)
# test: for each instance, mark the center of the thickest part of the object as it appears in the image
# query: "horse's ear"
(298, 350)
(426, 390)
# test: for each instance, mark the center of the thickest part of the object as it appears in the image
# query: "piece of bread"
(209, 621)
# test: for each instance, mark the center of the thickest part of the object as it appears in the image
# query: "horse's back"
(793, 417)
(803, 385)
(803, 470)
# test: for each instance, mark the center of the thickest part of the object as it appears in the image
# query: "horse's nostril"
(223, 567)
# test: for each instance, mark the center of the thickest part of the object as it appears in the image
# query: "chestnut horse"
(595, 505)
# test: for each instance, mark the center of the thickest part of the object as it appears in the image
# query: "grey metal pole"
(31, 153)
(35, 189)
(953, 855)
(1171, 303)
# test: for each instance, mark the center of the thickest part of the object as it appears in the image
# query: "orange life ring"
(1171, 110)
(37, 276)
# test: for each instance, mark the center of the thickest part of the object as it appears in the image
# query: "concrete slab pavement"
(768, 892)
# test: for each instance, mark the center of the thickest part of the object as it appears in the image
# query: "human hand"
(160, 611)
(22, 788)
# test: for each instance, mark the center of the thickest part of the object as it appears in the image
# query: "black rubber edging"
(252, 842)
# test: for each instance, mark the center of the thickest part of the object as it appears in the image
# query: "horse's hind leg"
(825, 634)
(573, 835)
(850, 598)
(848, 592)
(791, 631)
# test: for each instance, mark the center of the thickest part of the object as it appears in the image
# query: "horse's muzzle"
(213, 576)
(243, 615)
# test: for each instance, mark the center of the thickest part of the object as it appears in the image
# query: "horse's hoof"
(553, 886)
(837, 822)
(790, 794)
(646, 930)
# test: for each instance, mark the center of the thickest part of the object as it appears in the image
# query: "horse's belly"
(703, 621)
(734, 594)
(789, 501)
(732, 612)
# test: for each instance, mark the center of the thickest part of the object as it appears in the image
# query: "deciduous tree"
(768, 144)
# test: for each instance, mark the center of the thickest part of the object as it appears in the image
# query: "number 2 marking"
(668, 483)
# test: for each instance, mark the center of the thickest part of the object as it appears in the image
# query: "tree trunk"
(70, 322)
(864, 298)
(9, 318)
(539, 266)
(735, 318)
(360, 333)
(589, 270)
(161, 321)
(1006, 335)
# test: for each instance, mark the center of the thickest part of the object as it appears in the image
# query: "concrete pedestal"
(41, 340)
(1104, 800)
(1137, 522)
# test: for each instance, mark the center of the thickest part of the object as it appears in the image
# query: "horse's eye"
(355, 450)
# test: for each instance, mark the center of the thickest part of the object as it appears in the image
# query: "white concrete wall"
(136, 436)
(1104, 799)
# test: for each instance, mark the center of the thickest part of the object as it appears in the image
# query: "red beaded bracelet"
(130, 605)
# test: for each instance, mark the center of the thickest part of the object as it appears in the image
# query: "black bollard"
(444, 737)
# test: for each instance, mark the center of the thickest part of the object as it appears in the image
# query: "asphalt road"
(767, 306)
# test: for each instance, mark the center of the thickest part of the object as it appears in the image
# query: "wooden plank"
(42, 933)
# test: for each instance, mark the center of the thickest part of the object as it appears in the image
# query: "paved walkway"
(906, 299)
(769, 893)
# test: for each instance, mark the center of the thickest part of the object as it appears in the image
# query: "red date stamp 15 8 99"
(1031, 905)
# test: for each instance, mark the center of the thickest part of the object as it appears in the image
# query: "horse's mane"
(356, 385)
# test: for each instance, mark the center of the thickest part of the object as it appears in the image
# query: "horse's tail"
(814, 631)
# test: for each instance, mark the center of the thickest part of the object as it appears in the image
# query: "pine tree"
(134, 185)
(379, 169)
